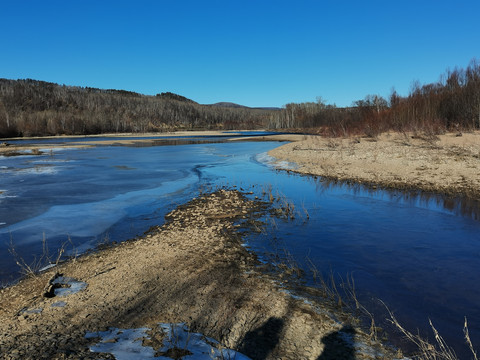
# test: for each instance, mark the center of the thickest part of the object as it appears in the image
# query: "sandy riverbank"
(133, 139)
(192, 270)
(447, 164)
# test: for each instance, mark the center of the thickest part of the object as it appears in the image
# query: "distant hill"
(38, 108)
(233, 105)
(173, 96)
(228, 105)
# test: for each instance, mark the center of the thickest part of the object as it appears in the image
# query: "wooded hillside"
(38, 108)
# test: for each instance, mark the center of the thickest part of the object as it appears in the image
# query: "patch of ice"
(38, 170)
(318, 309)
(51, 160)
(296, 297)
(128, 344)
(360, 348)
(59, 304)
(122, 343)
(46, 151)
(31, 311)
(49, 266)
(4, 194)
(96, 217)
(68, 285)
(270, 161)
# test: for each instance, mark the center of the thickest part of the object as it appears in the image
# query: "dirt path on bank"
(447, 164)
(192, 270)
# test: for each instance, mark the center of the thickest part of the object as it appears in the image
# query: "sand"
(446, 164)
(192, 270)
(128, 139)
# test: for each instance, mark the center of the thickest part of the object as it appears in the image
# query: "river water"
(419, 254)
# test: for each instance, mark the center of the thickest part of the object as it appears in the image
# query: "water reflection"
(458, 205)
(174, 142)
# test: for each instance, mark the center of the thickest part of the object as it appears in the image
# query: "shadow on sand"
(259, 343)
(338, 346)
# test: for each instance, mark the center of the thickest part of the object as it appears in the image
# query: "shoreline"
(159, 134)
(192, 270)
(447, 164)
(7, 149)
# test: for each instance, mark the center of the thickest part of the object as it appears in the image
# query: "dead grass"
(347, 299)
(427, 350)
(44, 261)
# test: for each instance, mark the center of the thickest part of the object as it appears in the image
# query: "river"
(420, 254)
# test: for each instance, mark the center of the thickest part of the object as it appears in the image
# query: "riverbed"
(417, 252)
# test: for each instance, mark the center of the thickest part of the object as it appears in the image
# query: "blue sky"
(255, 53)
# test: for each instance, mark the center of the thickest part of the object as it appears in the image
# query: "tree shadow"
(339, 345)
(260, 342)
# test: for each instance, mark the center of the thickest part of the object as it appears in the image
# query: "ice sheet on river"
(96, 217)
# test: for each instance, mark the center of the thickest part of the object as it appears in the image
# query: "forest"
(451, 104)
(38, 108)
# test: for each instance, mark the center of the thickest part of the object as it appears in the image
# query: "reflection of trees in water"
(172, 142)
(459, 205)
(193, 140)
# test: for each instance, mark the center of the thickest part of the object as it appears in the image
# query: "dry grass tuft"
(428, 351)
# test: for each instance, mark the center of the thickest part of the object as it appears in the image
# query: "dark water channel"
(419, 254)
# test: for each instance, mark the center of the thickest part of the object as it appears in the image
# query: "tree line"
(38, 108)
(452, 103)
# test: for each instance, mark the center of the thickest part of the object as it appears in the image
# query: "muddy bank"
(192, 270)
(447, 164)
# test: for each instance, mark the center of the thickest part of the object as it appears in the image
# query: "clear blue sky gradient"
(255, 53)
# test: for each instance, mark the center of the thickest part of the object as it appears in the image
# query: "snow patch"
(68, 286)
(59, 304)
(26, 311)
(362, 349)
(127, 344)
(49, 266)
(4, 194)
